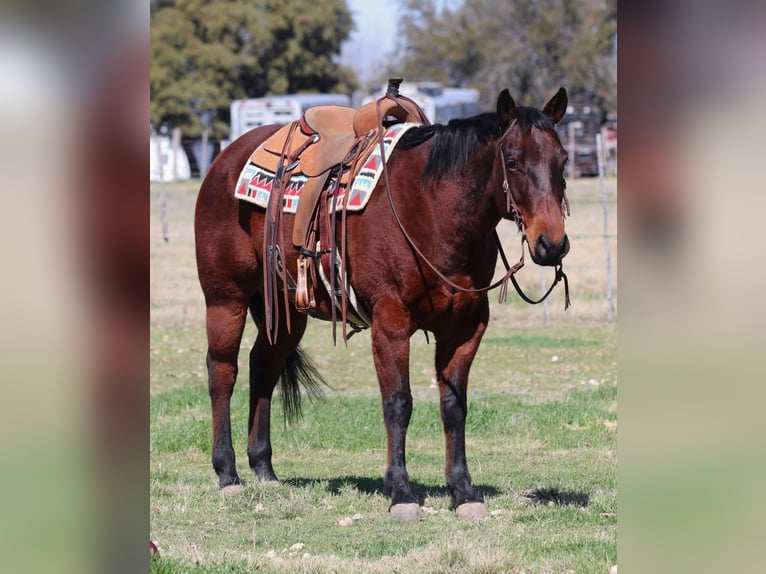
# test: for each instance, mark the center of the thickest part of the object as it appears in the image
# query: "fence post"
(572, 150)
(175, 148)
(205, 155)
(609, 302)
(546, 311)
(163, 193)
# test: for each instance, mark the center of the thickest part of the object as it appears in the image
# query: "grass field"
(541, 435)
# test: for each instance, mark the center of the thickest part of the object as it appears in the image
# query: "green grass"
(540, 441)
(548, 466)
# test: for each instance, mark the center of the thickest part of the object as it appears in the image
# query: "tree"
(530, 47)
(206, 53)
(438, 45)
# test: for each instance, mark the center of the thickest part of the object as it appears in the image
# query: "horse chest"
(439, 307)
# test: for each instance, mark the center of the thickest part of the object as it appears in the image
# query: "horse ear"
(557, 106)
(506, 109)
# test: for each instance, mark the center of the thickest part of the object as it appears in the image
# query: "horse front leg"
(225, 323)
(455, 351)
(391, 353)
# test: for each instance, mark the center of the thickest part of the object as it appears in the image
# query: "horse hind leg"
(268, 363)
(225, 323)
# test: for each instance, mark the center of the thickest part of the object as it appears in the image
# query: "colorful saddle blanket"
(255, 183)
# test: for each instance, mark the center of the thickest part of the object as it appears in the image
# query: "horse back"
(218, 186)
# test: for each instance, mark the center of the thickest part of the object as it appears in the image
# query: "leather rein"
(513, 212)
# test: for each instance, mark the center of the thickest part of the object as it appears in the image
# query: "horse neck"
(470, 199)
(482, 191)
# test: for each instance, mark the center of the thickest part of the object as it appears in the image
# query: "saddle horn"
(393, 86)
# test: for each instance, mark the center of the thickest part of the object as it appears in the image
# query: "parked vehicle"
(586, 162)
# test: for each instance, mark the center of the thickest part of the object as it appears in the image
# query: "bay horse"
(449, 187)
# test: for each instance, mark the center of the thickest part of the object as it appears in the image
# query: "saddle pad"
(255, 183)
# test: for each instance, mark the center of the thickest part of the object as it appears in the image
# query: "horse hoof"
(231, 489)
(409, 511)
(472, 510)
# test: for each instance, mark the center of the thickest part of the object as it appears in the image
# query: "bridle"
(513, 212)
(511, 208)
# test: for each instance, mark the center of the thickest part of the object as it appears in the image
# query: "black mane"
(454, 143)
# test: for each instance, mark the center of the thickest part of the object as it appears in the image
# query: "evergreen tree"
(206, 53)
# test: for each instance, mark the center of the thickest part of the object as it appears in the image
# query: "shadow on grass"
(558, 497)
(368, 485)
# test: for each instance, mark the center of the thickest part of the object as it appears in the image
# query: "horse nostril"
(565, 246)
(542, 246)
(548, 253)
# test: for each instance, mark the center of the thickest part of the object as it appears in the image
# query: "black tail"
(300, 371)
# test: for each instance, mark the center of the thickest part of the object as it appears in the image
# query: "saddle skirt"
(257, 179)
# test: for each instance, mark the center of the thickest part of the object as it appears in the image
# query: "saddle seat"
(325, 139)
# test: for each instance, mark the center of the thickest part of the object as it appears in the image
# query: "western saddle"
(327, 145)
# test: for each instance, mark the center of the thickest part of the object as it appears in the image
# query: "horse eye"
(512, 164)
(564, 182)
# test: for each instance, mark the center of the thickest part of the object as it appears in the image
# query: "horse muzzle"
(548, 253)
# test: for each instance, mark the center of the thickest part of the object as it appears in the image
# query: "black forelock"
(532, 117)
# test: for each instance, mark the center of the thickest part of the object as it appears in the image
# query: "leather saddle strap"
(314, 237)
(332, 196)
(343, 256)
(273, 239)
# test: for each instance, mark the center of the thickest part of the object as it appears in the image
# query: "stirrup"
(304, 290)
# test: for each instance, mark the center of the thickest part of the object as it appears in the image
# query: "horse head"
(532, 161)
